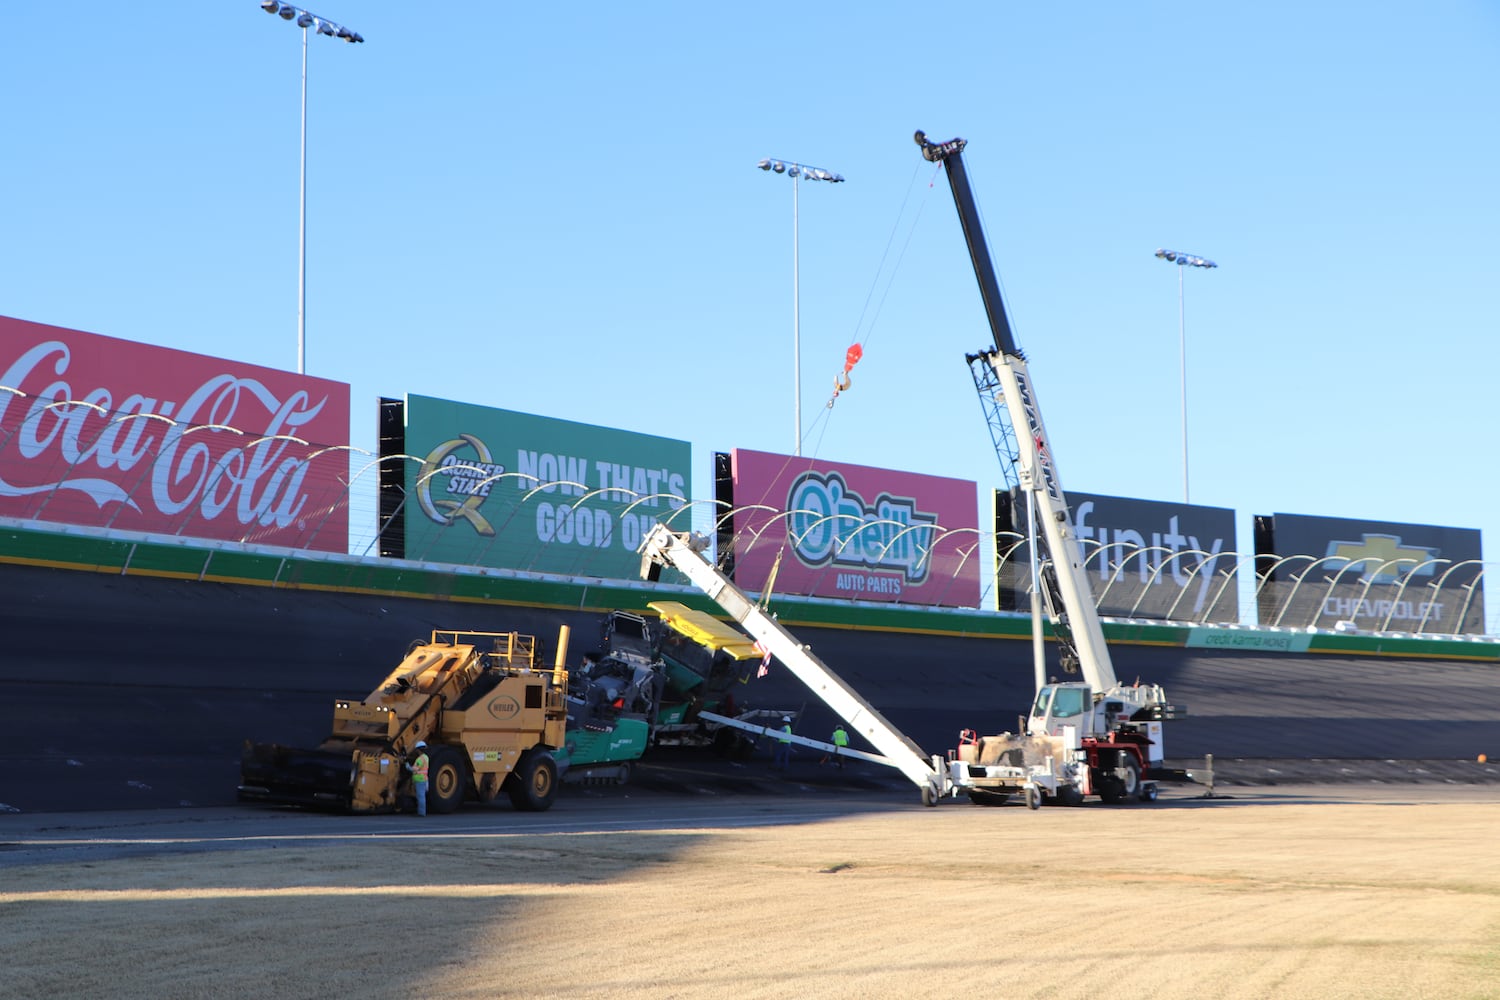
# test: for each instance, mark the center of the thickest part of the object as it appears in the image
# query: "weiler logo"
(503, 708)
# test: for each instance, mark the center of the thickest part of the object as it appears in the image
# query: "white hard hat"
(786, 718)
(421, 744)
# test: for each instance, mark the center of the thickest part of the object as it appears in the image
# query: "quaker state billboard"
(114, 434)
(831, 529)
(491, 487)
(1333, 572)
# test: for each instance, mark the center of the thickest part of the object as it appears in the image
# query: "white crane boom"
(684, 552)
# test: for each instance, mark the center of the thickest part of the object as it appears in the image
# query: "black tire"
(1115, 788)
(533, 784)
(1067, 795)
(1148, 791)
(447, 779)
(1033, 797)
(980, 797)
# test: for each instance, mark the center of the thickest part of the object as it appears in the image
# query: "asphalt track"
(91, 837)
(136, 693)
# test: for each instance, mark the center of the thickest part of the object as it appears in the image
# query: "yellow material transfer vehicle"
(490, 715)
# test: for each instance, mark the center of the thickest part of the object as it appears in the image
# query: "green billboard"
(491, 487)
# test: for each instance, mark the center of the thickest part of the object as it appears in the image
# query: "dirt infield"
(1382, 893)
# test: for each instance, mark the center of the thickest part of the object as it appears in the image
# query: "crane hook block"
(842, 381)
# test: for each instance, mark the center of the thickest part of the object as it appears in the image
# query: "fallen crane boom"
(684, 552)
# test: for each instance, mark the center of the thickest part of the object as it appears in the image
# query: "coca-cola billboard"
(115, 434)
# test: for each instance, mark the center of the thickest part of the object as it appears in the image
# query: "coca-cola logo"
(228, 446)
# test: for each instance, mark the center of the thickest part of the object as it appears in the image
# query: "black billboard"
(1145, 558)
(1378, 576)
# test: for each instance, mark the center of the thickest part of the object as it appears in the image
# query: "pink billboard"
(115, 434)
(852, 531)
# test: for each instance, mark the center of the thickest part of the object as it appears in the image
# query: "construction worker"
(840, 742)
(418, 769)
(783, 746)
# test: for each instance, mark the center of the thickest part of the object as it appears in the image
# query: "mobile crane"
(1095, 736)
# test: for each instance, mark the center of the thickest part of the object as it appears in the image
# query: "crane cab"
(1062, 705)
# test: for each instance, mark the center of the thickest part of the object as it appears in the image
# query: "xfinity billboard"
(1145, 558)
(490, 487)
(1384, 576)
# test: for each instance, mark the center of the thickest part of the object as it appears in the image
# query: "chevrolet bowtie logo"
(1384, 558)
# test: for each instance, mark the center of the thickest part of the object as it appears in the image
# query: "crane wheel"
(1121, 785)
(447, 779)
(533, 784)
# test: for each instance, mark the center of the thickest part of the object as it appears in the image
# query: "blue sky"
(555, 209)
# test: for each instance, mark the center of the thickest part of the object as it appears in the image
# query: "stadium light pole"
(797, 171)
(305, 19)
(1183, 261)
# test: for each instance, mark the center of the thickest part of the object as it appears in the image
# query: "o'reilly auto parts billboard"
(1145, 558)
(111, 433)
(1333, 572)
(491, 487)
(831, 529)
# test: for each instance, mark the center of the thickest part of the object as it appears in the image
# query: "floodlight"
(797, 171)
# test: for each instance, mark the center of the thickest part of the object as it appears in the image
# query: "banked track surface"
(136, 692)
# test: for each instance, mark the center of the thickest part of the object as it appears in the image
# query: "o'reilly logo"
(832, 525)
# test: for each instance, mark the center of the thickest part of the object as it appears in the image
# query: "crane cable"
(855, 352)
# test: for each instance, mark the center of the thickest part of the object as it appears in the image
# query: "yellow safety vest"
(787, 731)
(840, 738)
(419, 768)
